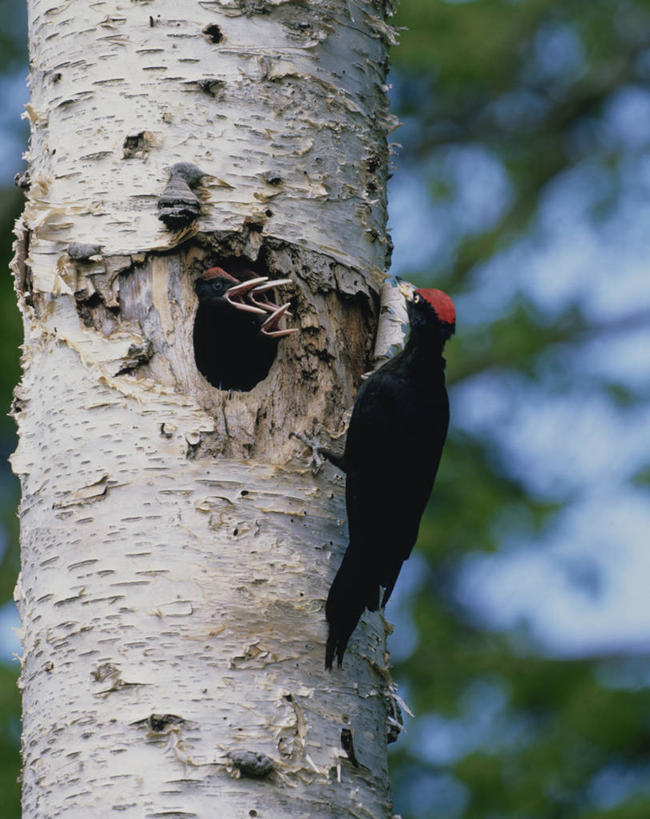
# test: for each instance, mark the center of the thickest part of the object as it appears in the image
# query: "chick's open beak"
(234, 295)
(260, 291)
(270, 326)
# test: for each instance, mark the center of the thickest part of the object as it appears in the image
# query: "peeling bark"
(177, 549)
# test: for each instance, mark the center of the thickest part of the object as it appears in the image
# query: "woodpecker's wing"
(394, 444)
(395, 438)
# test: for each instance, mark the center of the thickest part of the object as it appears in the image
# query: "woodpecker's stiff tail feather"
(394, 443)
(350, 593)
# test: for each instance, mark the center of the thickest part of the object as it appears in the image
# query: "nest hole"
(230, 349)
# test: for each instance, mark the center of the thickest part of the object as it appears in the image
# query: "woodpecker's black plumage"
(394, 443)
(235, 329)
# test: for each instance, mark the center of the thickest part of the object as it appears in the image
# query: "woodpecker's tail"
(351, 592)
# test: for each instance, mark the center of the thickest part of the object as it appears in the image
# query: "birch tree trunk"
(177, 549)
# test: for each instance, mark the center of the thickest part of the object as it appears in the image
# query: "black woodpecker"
(397, 430)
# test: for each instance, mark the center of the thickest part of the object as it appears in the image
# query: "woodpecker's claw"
(268, 327)
(236, 293)
(266, 303)
(316, 462)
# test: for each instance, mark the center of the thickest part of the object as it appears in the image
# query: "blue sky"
(14, 95)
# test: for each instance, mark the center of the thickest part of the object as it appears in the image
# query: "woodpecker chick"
(235, 340)
(397, 430)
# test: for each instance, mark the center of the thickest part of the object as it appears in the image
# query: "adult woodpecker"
(397, 430)
(236, 328)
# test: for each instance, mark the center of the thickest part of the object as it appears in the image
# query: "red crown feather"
(441, 303)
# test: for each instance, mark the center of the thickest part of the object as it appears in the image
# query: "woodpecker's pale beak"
(406, 289)
(268, 328)
(235, 294)
(264, 302)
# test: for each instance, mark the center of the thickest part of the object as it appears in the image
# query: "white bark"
(278, 113)
(176, 549)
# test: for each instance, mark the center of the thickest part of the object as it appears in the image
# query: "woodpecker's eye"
(417, 298)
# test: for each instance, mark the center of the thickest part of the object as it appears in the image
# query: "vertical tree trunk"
(177, 549)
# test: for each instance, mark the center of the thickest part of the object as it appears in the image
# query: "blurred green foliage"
(10, 338)
(13, 61)
(527, 736)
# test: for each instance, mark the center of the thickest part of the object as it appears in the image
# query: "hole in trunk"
(231, 347)
(214, 33)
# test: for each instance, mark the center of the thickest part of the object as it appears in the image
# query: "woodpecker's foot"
(316, 447)
(331, 449)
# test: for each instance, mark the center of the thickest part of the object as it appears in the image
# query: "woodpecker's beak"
(268, 328)
(264, 302)
(406, 289)
(235, 294)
